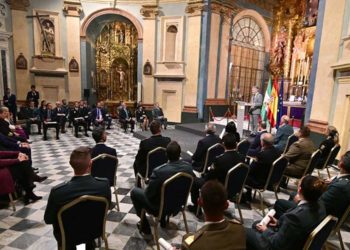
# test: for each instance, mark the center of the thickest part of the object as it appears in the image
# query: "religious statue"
(48, 37)
(122, 77)
(279, 53)
(121, 36)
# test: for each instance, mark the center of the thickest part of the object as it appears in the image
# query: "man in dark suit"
(221, 166)
(61, 116)
(32, 115)
(147, 145)
(198, 158)
(125, 118)
(283, 132)
(158, 115)
(260, 167)
(149, 198)
(50, 121)
(106, 116)
(5, 125)
(218, 232)
(97, 116)
(33, 95)
(336, 198)
(10, 101)
(81, 184)
(10, 144)
(255, 146)
(292, 229)
(77, 116)
(100, 137)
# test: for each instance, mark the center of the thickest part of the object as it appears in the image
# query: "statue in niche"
(121, 36)
(122, 77)
(48, 37)
(279, 53)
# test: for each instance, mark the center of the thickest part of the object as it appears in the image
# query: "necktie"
(49, 114)
(127, 115)
(99, 114)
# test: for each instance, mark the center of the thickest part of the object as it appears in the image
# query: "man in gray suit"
(255, 109)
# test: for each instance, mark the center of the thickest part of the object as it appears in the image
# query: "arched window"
(248, 55)
(170, 48)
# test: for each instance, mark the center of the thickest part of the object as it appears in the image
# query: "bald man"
(282, 134)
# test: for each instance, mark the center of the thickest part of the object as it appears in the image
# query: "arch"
(115, 11)
(261, 22)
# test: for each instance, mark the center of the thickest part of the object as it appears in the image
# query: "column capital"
(18, 4)
(195, 8)
(149, 11)
(72, 8)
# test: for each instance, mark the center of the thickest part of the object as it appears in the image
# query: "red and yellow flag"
(273, 105)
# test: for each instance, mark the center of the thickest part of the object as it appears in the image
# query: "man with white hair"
(282, 134)
(255, 109)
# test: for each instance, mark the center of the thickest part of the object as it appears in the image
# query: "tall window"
(170, 48)
(248, 55)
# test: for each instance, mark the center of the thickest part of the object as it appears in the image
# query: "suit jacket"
(33, 97)
(299, 155)
(30, 113)
(282, 134)
(10, 102)
(226, 235)
(255, 146)
(101, 148)
(160, 174)
(257, 101)
(94, 114)
(337, 197)
(5, 128)
(202, 147)
(53, 115)
(122, 114)
(68, 191)
(8, 143)
(223, 164)
(76, 113)
(259, 169)
(8, 158)
(146, 146)
(293, 227)
(156, 112)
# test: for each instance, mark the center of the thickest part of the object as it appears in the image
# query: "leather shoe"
(144, 230)
(30, 198)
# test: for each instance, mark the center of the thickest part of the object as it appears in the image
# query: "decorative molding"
(18, 4)
(72, 8)
(214, 101)
(150, 11)
(195, 8)
(190, 109)
(318, 126)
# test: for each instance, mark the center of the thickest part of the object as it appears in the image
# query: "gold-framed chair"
(76, 224)
(330, 159)
(212, 152)
(234, 184)
(291, 139)
(338, 226)
(273, 180)
(243, 147)
(320, 234)
(155, 158)
(105, 166)
(173, 199)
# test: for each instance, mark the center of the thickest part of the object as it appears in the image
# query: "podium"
(240, 115)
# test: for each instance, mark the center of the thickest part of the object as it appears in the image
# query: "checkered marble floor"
(25, 228)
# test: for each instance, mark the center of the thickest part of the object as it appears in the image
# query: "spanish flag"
(273, 105)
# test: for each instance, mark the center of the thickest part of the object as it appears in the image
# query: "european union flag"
(280, 104)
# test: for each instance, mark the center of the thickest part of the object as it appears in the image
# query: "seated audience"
(198, 158)
(255, 146)
(32, 116)
(50, 121)
(100, 137)
(149, 198)
(77, 116)
(336, 198)
(81, 184)
(125, 118)
(292, 228)
(16, 129)
(221, 166)
(97, 116)
(299, 154)
(232, 129)
(11, 144)
(5, 127)
(60, 113)
(141, 117)
(147, 145)
(86, 112)
(20, 167)
(283, 132)
(42, 109)
(260, 167)
(218, 232)
(158, 115)
(327, 145)
(107, 116)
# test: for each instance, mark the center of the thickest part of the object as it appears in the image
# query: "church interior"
(205, 64)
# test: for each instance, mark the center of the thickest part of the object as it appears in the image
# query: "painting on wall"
(147, 69)
(21, 62)
(73, 65)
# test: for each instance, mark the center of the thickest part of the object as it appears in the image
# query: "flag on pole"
(280, 103)
(266, 101)
(273, 105)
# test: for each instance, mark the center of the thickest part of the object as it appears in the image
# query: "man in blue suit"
(282, 134)
(100, 137)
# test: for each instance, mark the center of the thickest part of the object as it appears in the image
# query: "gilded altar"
(116, 62)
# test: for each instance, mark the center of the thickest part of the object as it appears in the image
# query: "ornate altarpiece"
(116, 62)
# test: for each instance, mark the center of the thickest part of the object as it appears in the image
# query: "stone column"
(72, 11)
(20, 34)
(149, 13)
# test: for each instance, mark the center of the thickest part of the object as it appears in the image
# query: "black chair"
(105, 166)
(273, 180)
(339, 225)
(234, 184)
(243, 147)
(155, 158)
(173, 199)
(320, 234)
(78, 225)
(330, 159)
(212, 152)
(291, 139)
(315, 158)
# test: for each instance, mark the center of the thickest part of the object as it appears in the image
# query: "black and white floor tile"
(25, 228)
